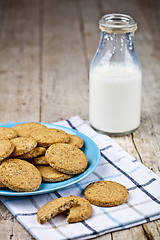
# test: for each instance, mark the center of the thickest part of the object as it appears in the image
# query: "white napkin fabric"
(143, 204)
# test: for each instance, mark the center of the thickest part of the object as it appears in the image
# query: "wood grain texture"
(46, 47)
(19, 62)
(64, 82)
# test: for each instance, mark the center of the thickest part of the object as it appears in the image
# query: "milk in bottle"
(115, 78)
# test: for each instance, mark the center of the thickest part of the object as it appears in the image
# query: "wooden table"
(45, 52)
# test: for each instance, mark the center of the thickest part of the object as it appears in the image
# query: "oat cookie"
(38, 160)
(23, 145)
(55, 207)
(106, 193)
(81, 211)
(75, 141)
(7, 133)
(47, 137)
(2, 185)
(49, 174)
(20, 175)
(66, 158)
(6, 148)
(36, 152)
(59, 135)
(25, 129)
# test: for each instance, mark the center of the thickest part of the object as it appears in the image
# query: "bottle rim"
(117, 23)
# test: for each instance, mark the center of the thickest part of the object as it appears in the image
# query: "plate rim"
(67, 183)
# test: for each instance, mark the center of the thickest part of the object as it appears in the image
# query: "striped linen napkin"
(116, 164)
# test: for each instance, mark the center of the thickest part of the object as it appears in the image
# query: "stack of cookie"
(31, 153)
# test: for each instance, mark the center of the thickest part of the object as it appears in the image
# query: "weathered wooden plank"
(64, 84)
(152, 230)
(2, 13)
(89, 15)
(19, 232)
(6, 222)
(19, 62)
(148, 134)
(19, 81)
(130, 234)
(10, 228)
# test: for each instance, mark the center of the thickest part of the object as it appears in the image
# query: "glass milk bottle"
(115, 78)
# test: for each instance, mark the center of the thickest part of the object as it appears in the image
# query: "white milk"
(115, 98)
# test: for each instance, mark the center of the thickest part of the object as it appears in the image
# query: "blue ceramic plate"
(90, 149)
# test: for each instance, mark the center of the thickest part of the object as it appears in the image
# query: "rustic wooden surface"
(45, 51)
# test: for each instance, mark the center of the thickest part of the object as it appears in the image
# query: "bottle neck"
(117, 47)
